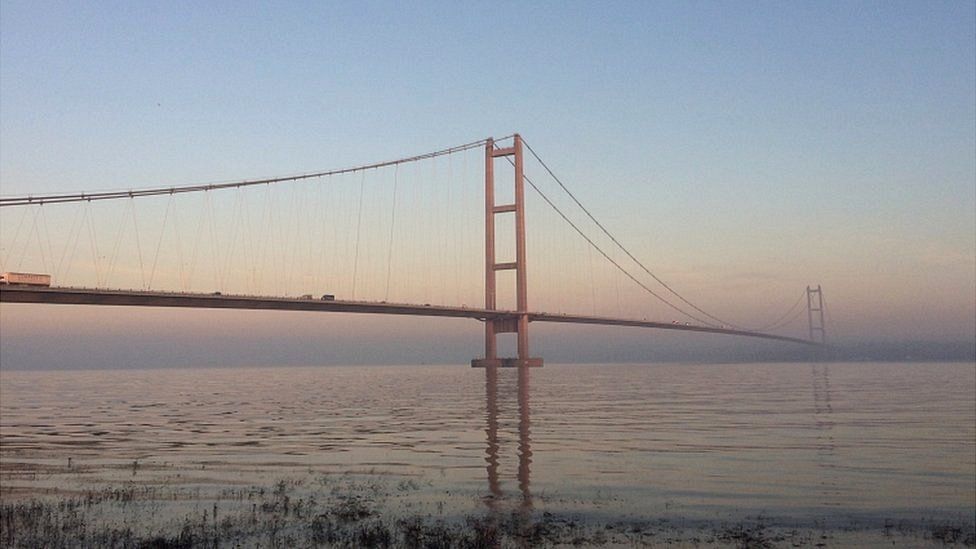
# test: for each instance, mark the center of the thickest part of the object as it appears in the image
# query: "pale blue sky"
(827, 142)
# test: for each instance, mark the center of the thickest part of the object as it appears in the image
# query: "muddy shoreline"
(360, 511)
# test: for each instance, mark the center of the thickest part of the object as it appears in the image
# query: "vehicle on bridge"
(328, 297)
(26, 279)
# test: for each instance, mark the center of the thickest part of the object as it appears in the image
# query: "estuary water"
(855, 446)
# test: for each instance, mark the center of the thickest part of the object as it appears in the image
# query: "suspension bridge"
(393, 237)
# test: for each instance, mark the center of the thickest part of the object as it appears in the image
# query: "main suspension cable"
(778, 323)
(610, 259)
(621, 246)
(109, 195)
(631, 256)
(601, 251)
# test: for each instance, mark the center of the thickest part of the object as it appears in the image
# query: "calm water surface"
(810, 443)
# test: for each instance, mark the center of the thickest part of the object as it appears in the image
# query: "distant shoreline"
(549, 364)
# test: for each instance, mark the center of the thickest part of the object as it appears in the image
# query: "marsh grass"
(344, 511)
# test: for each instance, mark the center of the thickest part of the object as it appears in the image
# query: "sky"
(742, 150)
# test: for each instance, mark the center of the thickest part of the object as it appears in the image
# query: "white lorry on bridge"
(25, 279)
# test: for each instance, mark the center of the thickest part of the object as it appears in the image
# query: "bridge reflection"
(495, 494)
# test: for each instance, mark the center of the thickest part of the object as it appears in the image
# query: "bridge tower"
(815, 314)
(517, 323)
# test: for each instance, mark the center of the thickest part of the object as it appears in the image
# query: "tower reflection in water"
(496, 494)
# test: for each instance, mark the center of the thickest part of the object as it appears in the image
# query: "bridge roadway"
(11, 293)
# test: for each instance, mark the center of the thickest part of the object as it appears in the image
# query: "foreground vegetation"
(351, 513)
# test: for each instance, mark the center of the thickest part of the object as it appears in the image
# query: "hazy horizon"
(133, 338)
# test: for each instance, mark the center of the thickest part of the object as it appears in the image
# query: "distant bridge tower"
(815, 314)
(519, 322)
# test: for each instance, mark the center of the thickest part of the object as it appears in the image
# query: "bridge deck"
(135, 298)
